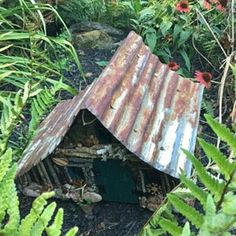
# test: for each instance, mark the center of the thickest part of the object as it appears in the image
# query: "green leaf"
(186, 59)
(184, 36)
(224, 133)
(151, 38)
(226, 167)
(215, 186)
(43, 220)
(196, 191)
(210, 206)
(55, 228)
(5, 161)
(186, 230)
(190, 213)
(177, 30)
(5, 74)
(229, 204)
(171, 227)
(72, 231)
(165, 26)
(102, 63)
(38, 206)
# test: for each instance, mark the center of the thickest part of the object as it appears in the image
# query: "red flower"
(183, 6)
(173, 65)
(207, 4)
(204, 78)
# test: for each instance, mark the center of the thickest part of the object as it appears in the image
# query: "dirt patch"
(104, 219)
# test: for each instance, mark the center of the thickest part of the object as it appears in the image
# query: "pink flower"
(220, 4)
(203, 78)
(207, 4)
(183, 6)
(220, 7)
(173, 65)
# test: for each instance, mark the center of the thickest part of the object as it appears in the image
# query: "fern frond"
(226, 167)
(5, 161)
(190, 213)
(207, 106)
(13, 207)
(197, 192)
(72, 232)
(43, 219)
(6, 188)
(171, 227)
(212, 184)
(164, 211)
(186, 230)
(210, 206)
(224, 133)
(40, 105)
(55, 228)
(36, 210)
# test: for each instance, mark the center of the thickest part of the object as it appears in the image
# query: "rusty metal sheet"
(50, 134)
(150, 109)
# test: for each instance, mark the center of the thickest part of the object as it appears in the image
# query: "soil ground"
(105, 219)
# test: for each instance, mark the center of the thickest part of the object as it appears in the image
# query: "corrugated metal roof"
(149, 108)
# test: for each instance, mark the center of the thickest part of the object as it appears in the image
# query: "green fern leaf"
(26, 92)
(43, 219)
(197, 192)
(18, 102)
(208, 107)
(37, 107)
(6, 186)
(226, 167)
(5, 161)
(72, 232)
(190, 213)
(186, 230)
(164, 211)
(210, 206)
(229, 204)
(13, 207)
(224, 133)
(212, 184)
(149, 231)
(41, 103)
(36, 210)
(55, 228)
(171, 227)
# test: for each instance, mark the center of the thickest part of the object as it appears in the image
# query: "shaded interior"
(117, 174)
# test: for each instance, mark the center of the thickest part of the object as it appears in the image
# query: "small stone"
(92, 197)
(88, 74)
(81, 53)
(32, 190)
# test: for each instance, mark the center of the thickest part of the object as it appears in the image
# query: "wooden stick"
(35, 175)
(52, 172)
(41, 175)
(45, 173)
(66, 172)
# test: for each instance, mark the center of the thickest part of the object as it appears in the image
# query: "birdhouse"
(121, 138)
